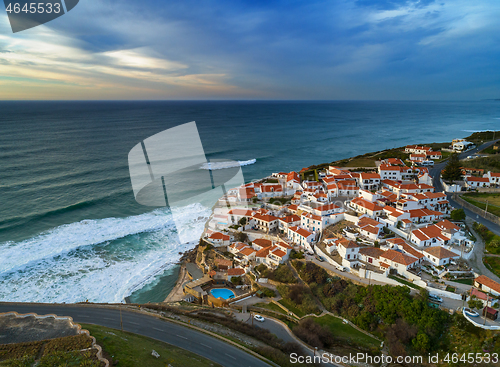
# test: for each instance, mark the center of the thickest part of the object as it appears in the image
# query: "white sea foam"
(228, 164)
(100, 260)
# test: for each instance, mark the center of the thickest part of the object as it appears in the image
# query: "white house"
(475, 182)
(438, 255)
(369, 181)
(424, 215)
(236, 247)
(326, 209)
(260, 243)
(288, 221)
(361, 205)
(462, 145)
(370, 228)
(347, 249)
(370, 255)
(400, 245)
(415, 157)
(398, 260)
(347, 188)
(218, 239)
(300, 236)
(313, 223)
(487, 285)
(388, 172)
(246, 255)
(276, 256)
(234, 215)
(494, 178)
(265, 223)
(235, 272)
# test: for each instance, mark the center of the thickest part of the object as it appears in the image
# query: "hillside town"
(386, 224)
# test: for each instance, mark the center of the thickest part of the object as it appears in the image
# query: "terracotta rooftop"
(490, 283)
(440, 252)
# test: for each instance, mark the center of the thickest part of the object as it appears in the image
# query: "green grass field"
(480, 199)
(291, 307)
(361, 162)
(271, 307)
(402, 281)
(132, 350)
(347, 332)
(492, 263)
(464, 281)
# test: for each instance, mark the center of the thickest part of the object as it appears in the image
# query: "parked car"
(259, 318)
(435, 298)
(341, 268)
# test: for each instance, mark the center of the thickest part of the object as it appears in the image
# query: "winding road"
(476, 260)
(172, 333)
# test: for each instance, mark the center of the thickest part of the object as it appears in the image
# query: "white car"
(259, 318)
(435, 298)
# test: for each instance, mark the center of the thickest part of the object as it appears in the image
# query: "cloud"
(234, 49)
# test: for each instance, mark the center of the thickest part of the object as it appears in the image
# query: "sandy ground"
(177, 293)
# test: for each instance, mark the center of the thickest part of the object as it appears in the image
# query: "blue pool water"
(222, 293)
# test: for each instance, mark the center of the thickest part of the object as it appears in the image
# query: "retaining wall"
(491, 217)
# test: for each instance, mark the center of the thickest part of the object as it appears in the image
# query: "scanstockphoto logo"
(25, 14)
(170, 169)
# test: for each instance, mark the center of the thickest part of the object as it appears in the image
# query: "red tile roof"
(477, 179)
(244, 212)
(263, 252)
(366, 204)
(398, 257)
(440, 252)
(223, 262)
(262, 242)
(301, 231)
(236, 271)
(278, 252)
(247, 251)
(219, 236)
(265, 218)
(290, 218)
(483, 279)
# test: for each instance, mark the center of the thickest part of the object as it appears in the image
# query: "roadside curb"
(151, 314)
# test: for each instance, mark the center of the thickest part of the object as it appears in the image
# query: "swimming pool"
(222, 293)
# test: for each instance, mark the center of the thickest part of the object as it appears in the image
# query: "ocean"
(70, 229)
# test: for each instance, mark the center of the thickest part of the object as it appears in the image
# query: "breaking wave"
(101, 260)
(228, 164)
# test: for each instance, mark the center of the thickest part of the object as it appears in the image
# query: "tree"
(241, 237)
(475, 303)
(421, 342)
(236, 280)
(243, 221)
(452, 171)
(495, 243)
(457, 214)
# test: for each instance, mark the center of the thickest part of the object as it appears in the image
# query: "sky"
(263, 50)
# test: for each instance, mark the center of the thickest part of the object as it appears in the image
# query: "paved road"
(476, 259)
(183, 337)
(277, 329)
(436, 170)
